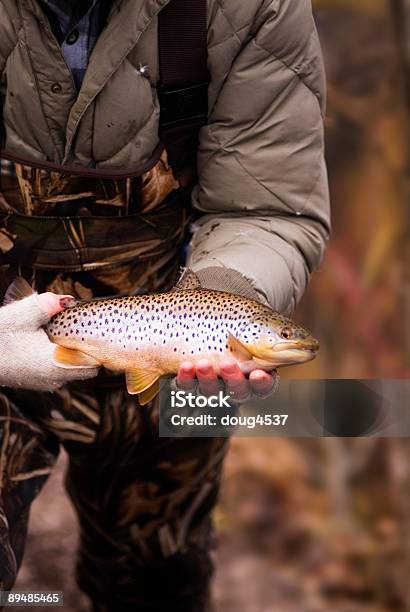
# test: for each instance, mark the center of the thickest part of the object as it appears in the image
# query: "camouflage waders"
(143, 502)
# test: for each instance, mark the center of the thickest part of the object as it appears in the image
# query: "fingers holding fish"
(237, 386)
(186, 376)
(236, 383)
(203, 373)
(207, 378)
(260, 383)
(263, 384)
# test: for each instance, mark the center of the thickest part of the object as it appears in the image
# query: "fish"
(149, 336)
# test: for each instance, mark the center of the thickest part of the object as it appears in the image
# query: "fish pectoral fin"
(148, 395)
(18, 290)
(188, 281)
(140, 382)
(237, 349)
(71, 358)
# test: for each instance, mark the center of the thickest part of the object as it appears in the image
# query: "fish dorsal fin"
(70, 358)
(18, 290)
(188, 281)
(139, 381)
(237, 349)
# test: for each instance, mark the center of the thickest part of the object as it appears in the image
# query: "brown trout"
(149, 336)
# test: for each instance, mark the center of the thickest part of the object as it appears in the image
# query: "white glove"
(26, 353)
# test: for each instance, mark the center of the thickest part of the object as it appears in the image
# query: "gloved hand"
(26, 353)
(259, 383)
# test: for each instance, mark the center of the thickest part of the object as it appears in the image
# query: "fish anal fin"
(71, 358)
(18, 290)
(188, 281)
(148, 395)
(237, 349)
(139, 380)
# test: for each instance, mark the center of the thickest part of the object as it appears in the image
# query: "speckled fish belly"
(149, 336)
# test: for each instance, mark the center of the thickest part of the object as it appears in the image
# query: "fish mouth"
(288, 353)
(286, 357)
(294, 356)
(302, 351)
(310, 345)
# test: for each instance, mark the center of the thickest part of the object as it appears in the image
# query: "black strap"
(183, 92)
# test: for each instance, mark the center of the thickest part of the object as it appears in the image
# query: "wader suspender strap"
(184, 77)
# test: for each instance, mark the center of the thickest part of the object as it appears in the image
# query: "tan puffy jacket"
(262, 177)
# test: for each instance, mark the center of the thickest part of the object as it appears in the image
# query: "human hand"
(26, 353)
(52, 304)
(259, 382)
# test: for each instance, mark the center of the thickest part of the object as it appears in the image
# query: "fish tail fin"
(17, 290)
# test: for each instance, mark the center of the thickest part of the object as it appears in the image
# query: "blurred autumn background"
(318, 525)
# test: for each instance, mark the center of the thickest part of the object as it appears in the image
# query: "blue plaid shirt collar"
(78, 31)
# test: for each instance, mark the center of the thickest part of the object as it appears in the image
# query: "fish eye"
(286, 333)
